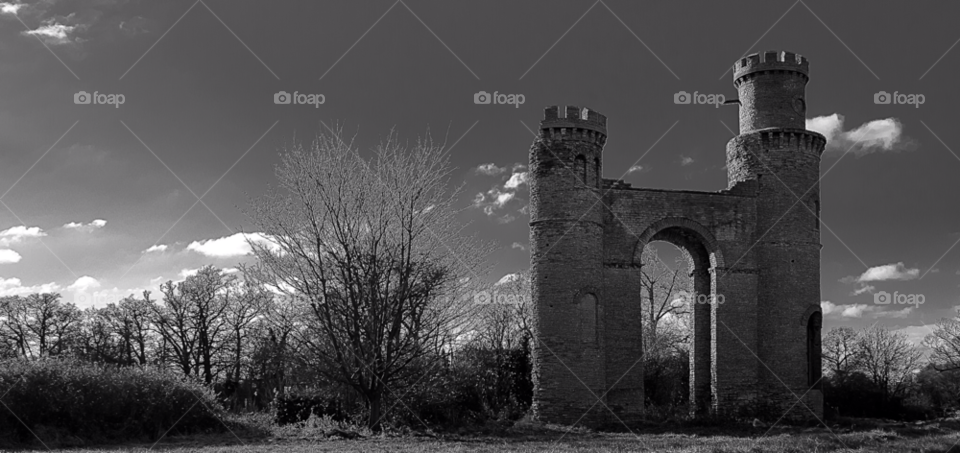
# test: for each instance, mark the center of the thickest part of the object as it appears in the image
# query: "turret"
(775, 150)
(566, 240)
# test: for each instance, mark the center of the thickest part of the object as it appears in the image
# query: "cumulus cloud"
(156, 248)
(53, 33)
(10, 8)
(857, 310)
(231, 246)
(184, 273)
(882, 135)
(17, 234)
(490, 169)
(863, 289)
(93, 225)
(684, 160)
(85, 283)
(516, 180)
(844, 311)
(9, 256)
(518, 245)
(14, 287)
(885, 272)
(916, 334)
(508, 278)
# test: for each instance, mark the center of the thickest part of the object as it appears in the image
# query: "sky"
(99, 200)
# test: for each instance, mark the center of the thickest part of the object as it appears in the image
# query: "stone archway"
(705, 257)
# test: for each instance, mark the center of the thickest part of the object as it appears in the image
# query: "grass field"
(857, 436)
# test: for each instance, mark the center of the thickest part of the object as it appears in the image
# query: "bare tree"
(373, 248)
(505, 313)
(944, 342)
(245, 303)
(14, 317)
(888, 358)
(840, 350)
(665, 299)
(191, 320)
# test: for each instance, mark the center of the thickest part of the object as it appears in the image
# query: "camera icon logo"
(881, 97)
(281, 97)
(81, 97)
(881, 298)
(681, 97)
(481, 97)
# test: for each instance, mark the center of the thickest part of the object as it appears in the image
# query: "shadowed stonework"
(756, 244)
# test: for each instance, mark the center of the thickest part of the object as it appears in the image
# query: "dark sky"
(198, 119)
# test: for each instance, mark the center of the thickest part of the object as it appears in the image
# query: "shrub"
(297, 406)
(67, 399)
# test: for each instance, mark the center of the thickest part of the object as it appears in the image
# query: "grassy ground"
(852, 435)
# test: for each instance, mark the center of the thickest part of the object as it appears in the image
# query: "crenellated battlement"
(573, 123)
(770, 61)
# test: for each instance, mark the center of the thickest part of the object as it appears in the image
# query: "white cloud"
(17, 234)
(84, 284)
(888, 272)
(508, 278)
(516, 180)
(156, 248)
(14, 287)
(53, 33)
(10, 8)
(502, 198)
(844, 311)
(636, 168)
(490, 169)
(184, 273)
(231, 246)
(857, 310)
(229, 270)
(9, 256)
(684, 160)
(875, 136)
(518, 245)
(863, 289)
(96, 224)
(916, 334)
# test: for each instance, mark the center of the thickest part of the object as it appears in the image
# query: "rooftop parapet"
(573, 117)
(770, 60)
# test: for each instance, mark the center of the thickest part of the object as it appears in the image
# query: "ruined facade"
(755, 243)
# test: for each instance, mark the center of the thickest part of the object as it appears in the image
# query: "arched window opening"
(581, 168)
(587, 306)
(814, 364)
(816, 212)
(597, 166)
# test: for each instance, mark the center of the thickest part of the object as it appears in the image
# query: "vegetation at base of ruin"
(847, 435)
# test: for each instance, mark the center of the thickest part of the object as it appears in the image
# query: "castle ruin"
(755, 243)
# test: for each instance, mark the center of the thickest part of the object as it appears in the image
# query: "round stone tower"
(566, 228)
(775, 149)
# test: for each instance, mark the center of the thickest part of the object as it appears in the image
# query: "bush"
(298, 406)
(77, 402)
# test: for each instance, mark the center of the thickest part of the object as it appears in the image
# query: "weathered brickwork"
(756, 244)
